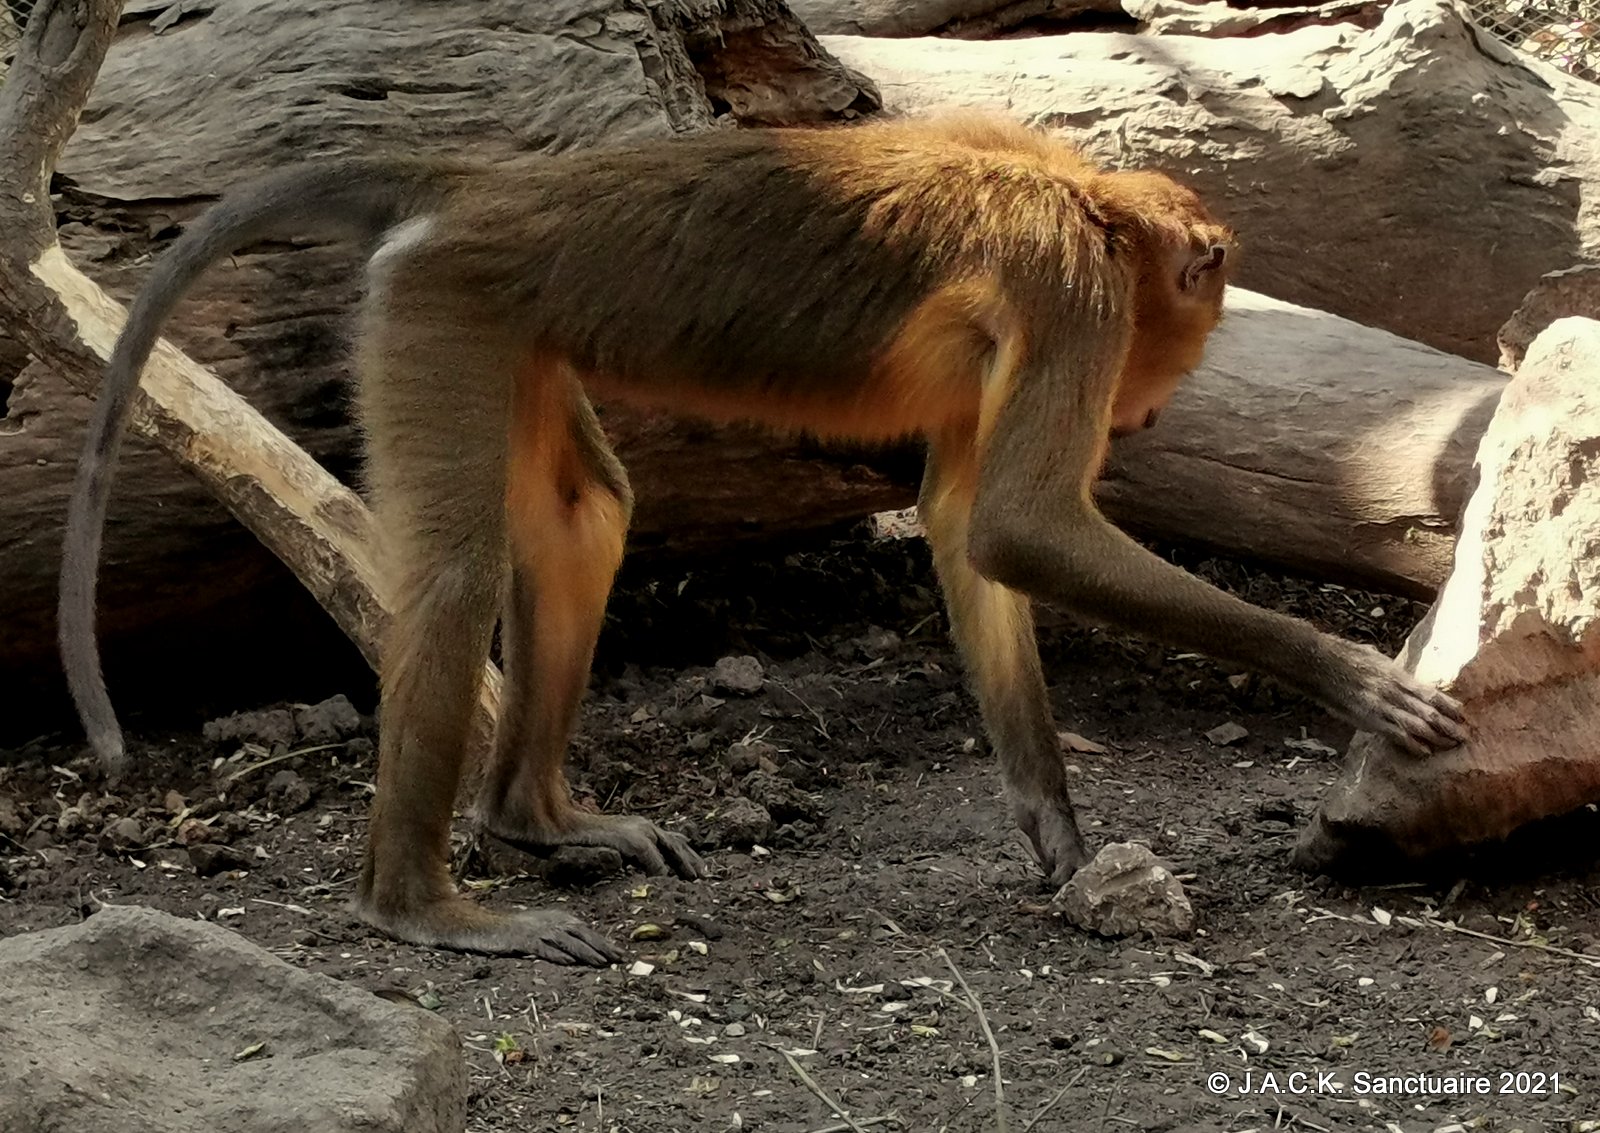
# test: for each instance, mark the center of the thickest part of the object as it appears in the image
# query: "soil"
(817, 953)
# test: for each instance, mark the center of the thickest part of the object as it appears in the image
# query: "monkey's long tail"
(346, 199)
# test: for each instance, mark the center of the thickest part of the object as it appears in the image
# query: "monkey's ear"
(1199, 266)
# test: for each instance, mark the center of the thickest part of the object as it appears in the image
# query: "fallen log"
(1346, 158)
(1313, 443)
(1514, 634)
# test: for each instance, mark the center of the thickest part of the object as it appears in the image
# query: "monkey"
(972, 282)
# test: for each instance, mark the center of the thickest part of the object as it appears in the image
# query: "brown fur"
(971, 282)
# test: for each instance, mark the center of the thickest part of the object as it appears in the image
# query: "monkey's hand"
(1378, 696)
(1052, 830)
(638, 840)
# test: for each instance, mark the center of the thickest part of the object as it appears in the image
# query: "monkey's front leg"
(568, 512)
(993, 628)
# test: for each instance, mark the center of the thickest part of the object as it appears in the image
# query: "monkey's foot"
(638, 840)
(1052, 828)
(458, 924)
(1390, 702)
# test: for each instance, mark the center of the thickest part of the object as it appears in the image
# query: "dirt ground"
(818, 953)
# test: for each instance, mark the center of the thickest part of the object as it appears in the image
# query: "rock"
(210, 859)
(289, 792)
(794, 835)
(328, 722)
(1124, 890)
(72, 823)
(267, 727)
(1571, 291)
(781, 798)
(751, 755)
(169, 1003)
(12, 822)
(1228, 733)
(578, 867)
(738, 823)
(741, 675)
(191, 832)
(121, 835)
(1514, 635)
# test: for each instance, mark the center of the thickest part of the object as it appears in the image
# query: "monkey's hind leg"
(993, 629)
(568, 506)
(436, 404)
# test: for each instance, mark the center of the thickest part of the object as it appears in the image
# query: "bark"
(210, 100)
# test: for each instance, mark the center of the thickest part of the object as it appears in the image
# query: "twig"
(800, 1071)
(1051, 1104)
(1536, 945)
(254, 767)
(1450, 926)
(822, 725)
(843, 1128)
(1000, 1123)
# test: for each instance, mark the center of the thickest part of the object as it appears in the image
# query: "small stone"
(879, 643)
(705, 927)
(739, 823)
(289, 792)
(360, 747)
(734, 1030)
(578, 867)
(794, 835)
(12, 822)
(751, 755)
(122, 835)
(175, 803)
(329, 722)
(228, 825)
(72, 823)
(784, 801)
(267, 727)
(191, 832)
(1230, 733)
(742, 675)
(210, 859)
(1124, 890)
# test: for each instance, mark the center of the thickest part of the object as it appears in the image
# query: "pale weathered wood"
(1314, 443)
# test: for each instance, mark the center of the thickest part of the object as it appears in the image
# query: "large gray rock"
(136, 1021)
(1514, 634)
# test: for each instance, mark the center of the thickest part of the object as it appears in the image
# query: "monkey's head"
(1182, 259)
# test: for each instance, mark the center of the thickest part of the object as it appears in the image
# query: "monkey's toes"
(1052, 828)
(559, 939)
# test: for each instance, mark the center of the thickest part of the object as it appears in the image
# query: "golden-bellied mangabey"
(972, 282)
